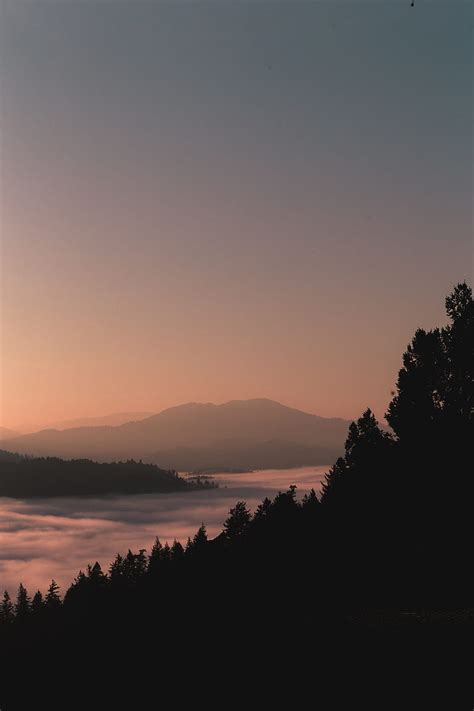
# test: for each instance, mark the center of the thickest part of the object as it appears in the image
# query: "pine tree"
(116, 571)
(177, 551)
(166, 553)
(200, 538)
(154, 559)
(77, 592)
(95, 574)
(310, 502)
(135, 565)
(237, 522)
(23, 604)
(435, 387)
(37, 603)
(7, 613)
(53, 600)
(263, 510)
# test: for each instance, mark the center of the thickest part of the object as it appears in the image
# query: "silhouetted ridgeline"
(49, 476)
(382, 563)
(242, 434)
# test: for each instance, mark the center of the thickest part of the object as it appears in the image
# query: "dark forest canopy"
(50, 476)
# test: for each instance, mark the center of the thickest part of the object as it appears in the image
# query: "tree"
(77, 592)
(154, 559)
(7, 613)
(37, 603)
(116, 571)
(53, 600)
(177, 551)
(284, 505)
(435, 387)
(23, 604)
(95, 575)
(262, 511)
(351, 481)
(458, 342)
(237, 522)
(200, 539)
(135, 565)
(166, 554)
(333, 481)
(419, 400)
(310, 503)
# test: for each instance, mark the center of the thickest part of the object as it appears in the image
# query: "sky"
(206, 201)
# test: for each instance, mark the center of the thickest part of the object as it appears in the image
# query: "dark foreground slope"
(274, 609)
(25, 477)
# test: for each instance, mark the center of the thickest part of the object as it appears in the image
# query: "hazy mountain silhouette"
(114, 420)
(6, 433)
(257, 433)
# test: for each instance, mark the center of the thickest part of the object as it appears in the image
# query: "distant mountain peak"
(256, 431)
(6, 433)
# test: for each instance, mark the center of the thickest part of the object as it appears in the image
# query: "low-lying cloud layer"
(55, 538)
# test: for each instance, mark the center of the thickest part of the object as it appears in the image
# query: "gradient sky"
(217, 200)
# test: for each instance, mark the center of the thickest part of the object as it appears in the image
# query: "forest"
(26, 477)
(382, 558)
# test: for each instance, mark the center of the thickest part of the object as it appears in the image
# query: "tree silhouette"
(22, 606)
(199, 542)
(95, 575)
(135, 565)
(7, 612)
(37, 603)
(310, 505)
(154, 559)
(53, 600)
(177, 551)
(237, 522)
(352, 479)
(116, 569)
(262, 511)
(436, 384)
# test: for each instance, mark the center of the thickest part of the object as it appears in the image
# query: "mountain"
(116, 418)
(257, 433)
(5, 433)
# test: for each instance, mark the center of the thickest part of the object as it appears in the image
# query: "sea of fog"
(49, 538)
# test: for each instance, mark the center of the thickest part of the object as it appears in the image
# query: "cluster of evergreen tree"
(276, 527)
(391, 531)
(23, 476)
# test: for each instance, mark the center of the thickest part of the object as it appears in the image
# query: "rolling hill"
(49, 476)
(6, 433)
(251, 434)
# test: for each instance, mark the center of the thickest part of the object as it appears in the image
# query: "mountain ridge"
(221, 431)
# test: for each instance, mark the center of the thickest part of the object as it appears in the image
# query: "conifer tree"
(116, 571)
(7, 612)
(200, 538)
(23, 604)
(37, 603)
(52, 599)
(177, 551)
(237, 522)
(154, 559)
